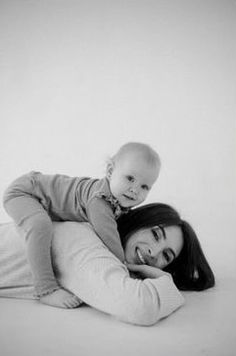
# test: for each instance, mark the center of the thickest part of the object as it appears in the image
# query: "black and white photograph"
(118, 177)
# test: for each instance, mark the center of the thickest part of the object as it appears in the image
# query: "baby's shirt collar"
(105, 193)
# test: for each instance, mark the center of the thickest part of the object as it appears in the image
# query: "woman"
(190, 270)
(154, 238)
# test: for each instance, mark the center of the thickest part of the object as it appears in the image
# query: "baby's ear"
(110, 168)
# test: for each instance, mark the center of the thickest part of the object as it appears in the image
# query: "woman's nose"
(152, 257)
(155, 250)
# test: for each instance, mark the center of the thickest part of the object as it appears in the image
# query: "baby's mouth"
(128, 197)
(140, 256)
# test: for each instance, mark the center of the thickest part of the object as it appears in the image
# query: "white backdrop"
(80, 78)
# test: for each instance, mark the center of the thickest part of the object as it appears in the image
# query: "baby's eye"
(145, 187)
(130, 178)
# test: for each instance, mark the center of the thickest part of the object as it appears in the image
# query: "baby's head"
(131, 173)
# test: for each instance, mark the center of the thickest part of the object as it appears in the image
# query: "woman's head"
(155, 234)
(157, 246)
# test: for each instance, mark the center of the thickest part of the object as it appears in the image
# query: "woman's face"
(157, 246)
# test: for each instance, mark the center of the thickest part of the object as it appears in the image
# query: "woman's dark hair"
(190, 270)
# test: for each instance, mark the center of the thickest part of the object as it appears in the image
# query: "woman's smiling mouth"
(140, 256)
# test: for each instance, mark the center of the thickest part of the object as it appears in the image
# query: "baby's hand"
(61, 298)
(146, 271)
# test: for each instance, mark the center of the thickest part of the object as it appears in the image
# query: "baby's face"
(131, 180)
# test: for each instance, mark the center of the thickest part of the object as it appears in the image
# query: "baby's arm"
(101, 217)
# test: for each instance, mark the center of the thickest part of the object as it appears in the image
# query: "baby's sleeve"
(101, 217)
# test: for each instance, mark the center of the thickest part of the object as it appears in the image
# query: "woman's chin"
(130, 259)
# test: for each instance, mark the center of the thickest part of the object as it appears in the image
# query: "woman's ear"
(110, 168)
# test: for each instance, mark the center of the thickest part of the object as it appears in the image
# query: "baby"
(35, 200)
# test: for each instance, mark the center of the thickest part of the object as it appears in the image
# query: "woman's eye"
(166, 256)
(155, 234)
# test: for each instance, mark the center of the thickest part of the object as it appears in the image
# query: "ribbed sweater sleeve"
(94, 274)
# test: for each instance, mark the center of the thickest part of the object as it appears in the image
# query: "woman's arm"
(86, 267)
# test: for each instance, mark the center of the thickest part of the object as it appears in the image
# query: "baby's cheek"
(144, 196)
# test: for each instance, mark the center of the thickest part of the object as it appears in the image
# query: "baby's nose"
(134, 189)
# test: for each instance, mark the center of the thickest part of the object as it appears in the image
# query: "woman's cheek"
(130, 254)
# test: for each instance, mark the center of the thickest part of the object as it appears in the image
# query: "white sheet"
(204, 327)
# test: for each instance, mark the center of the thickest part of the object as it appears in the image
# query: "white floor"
(204, 326)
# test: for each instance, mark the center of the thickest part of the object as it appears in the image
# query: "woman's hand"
(145, 271)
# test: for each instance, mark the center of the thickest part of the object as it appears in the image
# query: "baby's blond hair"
(149, 154)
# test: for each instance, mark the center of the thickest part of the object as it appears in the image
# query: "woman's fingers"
(146, 270)
(133, 267)
(140, 270)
